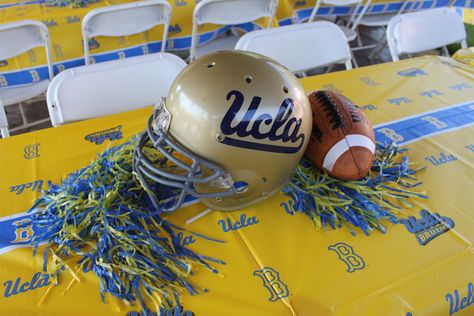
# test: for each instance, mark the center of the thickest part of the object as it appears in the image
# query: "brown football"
(342, 139)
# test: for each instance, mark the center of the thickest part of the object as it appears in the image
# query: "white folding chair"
(125, 19)
(350, 26)
(300, 47)
(424, 30)
(227, 12)
(17, 38)
(111, 87)
(381, 20)
(3, 121)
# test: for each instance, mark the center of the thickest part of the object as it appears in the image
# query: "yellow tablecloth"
(278, 263)
(66, 39)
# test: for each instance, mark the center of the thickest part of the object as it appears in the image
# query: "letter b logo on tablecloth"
(273, 283)
(31, 151)
(347, 255)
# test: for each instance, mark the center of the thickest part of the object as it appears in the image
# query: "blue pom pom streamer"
(100, 217)
(71, 3)
(381, 195)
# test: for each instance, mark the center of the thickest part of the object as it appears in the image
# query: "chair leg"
(354, 60)
(4, 131)
(445, 51)
(359, 37)
(23, 115)
(376, 52)
(329, 68)
(381, 46)
(30, 124)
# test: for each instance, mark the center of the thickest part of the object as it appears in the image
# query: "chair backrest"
(126, 19)
(19, 37)
(230, 12)
(420, 31)
(3, 121)
(300, 47)
(111, 87)
(356, 15)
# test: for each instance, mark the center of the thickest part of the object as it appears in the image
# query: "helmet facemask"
(160, 158)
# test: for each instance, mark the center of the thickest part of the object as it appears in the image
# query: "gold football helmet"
(232, 130)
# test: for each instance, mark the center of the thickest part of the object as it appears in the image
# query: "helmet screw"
(264, 193)
(220, 137)
(218, 199)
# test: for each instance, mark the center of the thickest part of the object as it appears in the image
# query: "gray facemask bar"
(146, 169)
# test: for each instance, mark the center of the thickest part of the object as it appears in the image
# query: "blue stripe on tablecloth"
(427, 124)
(410, 128)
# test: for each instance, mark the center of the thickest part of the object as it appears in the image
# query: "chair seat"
(220, 43)
(12, 95)
(376, 20)
(350, 34)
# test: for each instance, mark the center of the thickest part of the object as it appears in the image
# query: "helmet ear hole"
(241, 186)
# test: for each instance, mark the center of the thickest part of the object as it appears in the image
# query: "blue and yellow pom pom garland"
(71, 3)
(100, 220)
(381, 195)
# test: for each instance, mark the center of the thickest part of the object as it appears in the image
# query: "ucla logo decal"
(288, 207)
(458, 303)
(412, 72)
(398, 101)
(185, 240)
(34, 185)
(243, 221)
(176, 311)
(21, 286)
(461, 87)
(368, 81)
(111, 134)
(174, 29)
(347, 255)
(441, 159)
(250, 126)
(23, 231)
(368, 107)
(73, 19)
(431, 93)
(31, 151)
(273, 283)
(50, 22)
(428, 227)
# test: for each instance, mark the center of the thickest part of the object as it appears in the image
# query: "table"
(65, 28)
(280, 264)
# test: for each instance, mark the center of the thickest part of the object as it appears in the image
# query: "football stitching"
(332, 111)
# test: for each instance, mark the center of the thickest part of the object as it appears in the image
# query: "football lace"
(330, 107)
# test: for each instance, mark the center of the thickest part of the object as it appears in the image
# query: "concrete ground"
(36, 110)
